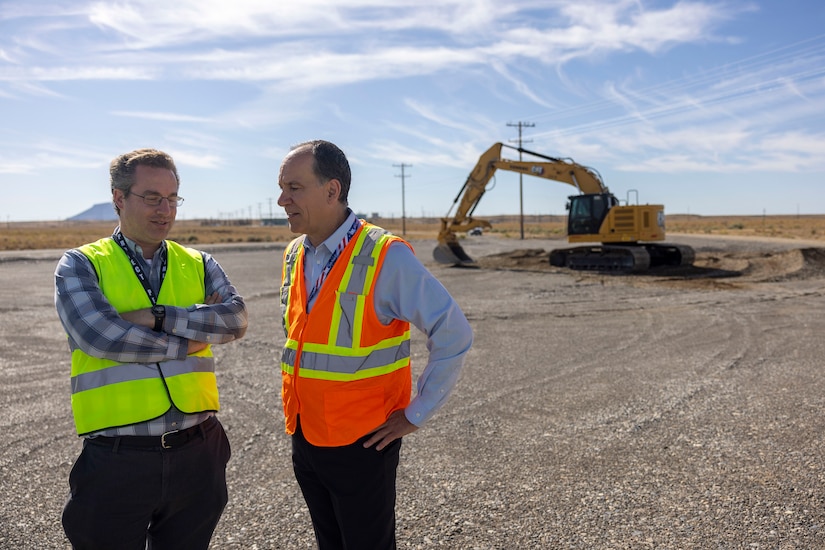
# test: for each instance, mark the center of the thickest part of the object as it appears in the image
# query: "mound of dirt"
(745, 266)
(528, 259)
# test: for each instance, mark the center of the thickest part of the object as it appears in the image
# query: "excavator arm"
(448, 251)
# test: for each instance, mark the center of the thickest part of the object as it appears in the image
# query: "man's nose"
(165, 205)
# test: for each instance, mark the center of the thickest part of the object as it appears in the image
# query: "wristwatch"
(159, 312)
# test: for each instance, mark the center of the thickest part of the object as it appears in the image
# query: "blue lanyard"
(335, 253)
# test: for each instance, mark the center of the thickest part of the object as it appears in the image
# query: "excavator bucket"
(452, 254)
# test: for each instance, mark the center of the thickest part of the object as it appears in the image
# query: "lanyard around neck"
(335, 253)
(138, 269)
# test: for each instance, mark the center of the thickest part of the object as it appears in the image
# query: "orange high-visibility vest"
(343, 371)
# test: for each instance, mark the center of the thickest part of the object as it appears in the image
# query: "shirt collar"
(331, 242)
(135, 247)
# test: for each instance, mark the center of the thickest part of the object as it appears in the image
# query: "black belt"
(169, 440)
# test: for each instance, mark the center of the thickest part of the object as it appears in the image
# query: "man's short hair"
(122, 168)
(330, 162)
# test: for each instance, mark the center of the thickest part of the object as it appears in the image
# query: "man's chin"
(162, 232)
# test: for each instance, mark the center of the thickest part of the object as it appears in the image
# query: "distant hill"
(102, 212)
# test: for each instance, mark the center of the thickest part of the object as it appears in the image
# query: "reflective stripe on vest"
(129, 372)
(344, 372)
(107, 393)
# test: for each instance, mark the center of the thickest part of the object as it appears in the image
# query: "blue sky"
(708, 107)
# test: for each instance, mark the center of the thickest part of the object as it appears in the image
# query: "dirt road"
(667, 410)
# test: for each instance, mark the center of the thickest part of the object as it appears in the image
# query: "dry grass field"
(64, 235)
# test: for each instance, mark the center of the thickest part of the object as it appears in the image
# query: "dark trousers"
(350, 492)
(129, 497)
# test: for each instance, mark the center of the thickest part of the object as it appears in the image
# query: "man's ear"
(334, 189)
(118, 197)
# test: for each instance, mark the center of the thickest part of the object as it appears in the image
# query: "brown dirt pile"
(710, 269)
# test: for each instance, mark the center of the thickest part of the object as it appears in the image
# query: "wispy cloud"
(186, 157)
(15, 166)
(66, 73)
(167, 117)
(317, 43)
(50, 155)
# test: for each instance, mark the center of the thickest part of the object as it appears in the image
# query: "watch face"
(158, 310)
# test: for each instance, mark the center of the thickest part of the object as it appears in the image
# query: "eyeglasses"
(154, 200)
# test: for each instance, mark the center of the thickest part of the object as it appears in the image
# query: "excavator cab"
(586, 213)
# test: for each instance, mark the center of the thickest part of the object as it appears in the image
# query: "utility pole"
(403, 176)
(521, 125)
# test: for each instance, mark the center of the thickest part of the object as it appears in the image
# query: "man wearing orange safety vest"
(349, 293)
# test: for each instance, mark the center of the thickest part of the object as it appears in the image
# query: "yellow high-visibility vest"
(108, 393)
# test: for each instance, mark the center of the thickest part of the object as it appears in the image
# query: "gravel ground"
(670, 410)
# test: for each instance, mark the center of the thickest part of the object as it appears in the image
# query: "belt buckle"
(163, 439)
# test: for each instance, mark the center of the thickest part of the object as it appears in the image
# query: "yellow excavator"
(627, 236)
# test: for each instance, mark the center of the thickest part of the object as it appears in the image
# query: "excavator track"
(670, 254)
(634, 258)
(601, 258)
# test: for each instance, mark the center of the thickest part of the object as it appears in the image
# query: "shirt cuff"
(417, 413)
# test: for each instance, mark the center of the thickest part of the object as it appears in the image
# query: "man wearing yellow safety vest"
(349, 293)
(141, 314)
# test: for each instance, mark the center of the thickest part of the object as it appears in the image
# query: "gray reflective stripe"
(139, 371)
(362, 264)
(114, 375)
(348, 304)
(289, 263)
(190, 364)
(290, 260)
(345, 364)
(288, 356)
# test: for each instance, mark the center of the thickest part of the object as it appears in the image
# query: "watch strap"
(160, 314)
